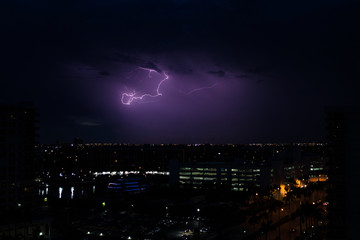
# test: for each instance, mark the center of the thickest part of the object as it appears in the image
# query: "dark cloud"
(139, 62)
(104, 73)
(180, 69)
(219, 73)
(127, 59)
(150, 65)
(90, 124)
(258, 70)
(308, 49)
(84, 121)
(243, 76)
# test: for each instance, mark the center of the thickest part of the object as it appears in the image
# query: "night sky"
(238, 71)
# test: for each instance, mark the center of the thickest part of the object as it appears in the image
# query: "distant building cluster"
(288, 164)
(247, 167)
(137, 168)
(214, 175)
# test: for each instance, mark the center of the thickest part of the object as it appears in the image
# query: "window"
(184, 177)
(209, 178)
(209, 174)
(185, 169)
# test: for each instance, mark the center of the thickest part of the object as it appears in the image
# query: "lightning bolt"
(198, 89)
(128, 98)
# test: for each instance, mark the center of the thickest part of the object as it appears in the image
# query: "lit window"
(198, 178)
(184, 177)
(209, 178)
(210, 174)
(185, 169)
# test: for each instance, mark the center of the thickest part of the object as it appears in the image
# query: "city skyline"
(210, 72)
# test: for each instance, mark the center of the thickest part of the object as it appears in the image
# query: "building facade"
(343, 166)
(233, 176)
(17, 153)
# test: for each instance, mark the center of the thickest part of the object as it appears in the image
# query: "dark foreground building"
(343, 126)
(17, 141)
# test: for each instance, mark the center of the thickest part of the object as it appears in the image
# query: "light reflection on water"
(72, 193)
(68, 192)
(60, 191)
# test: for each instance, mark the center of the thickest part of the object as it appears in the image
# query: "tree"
(253, 220)
(288, 199)
(312, 213)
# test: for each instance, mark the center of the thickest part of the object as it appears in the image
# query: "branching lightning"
(128, 98)
(198, 89)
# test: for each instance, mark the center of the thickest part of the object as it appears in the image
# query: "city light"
(60, 192)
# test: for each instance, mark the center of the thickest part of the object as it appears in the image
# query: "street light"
(198, 210)
(281, 210)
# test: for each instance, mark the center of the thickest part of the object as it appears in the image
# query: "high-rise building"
(17, 153)
(343, 165)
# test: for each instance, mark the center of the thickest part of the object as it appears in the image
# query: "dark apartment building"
(17, 153)
(343, 165)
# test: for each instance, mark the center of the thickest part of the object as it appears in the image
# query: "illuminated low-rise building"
(214, 175)
(127, 185)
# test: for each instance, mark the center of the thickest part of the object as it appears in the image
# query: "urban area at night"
(179, 119)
